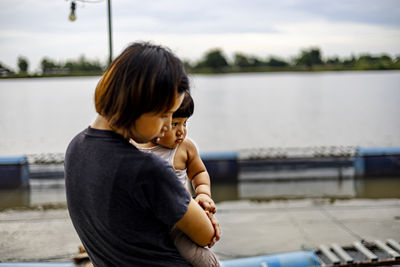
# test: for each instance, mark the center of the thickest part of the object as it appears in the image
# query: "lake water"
(235, 111)
(232, 111)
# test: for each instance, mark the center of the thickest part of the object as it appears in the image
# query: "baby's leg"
(193, 253)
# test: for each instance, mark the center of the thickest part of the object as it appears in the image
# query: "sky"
(36, 28)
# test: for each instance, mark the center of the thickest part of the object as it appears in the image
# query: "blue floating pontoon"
(290, 259)
(14, 172)
(384, 161)
(222, 166)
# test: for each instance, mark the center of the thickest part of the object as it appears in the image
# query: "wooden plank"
(394, 244)
(342, 253)
(371, 256)
(387, 249)
(329, 254)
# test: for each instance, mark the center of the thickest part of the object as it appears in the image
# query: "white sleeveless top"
(168, 155)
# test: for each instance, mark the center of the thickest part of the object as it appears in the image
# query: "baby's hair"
(186, 109)
(144, 78)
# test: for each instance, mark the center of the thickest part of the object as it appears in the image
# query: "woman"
(123, 202)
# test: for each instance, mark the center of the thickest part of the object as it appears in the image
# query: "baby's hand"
(217, 230)
(206, 202)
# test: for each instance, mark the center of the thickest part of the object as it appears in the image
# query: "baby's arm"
(199, 177)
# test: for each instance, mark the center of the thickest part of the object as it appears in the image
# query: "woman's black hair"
(145, 78)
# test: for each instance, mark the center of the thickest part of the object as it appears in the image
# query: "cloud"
(333, 39)
(258, 27)
(384, 12)
(238, 16)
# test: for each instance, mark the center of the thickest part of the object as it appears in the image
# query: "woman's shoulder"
(144, 159)
(144, 168)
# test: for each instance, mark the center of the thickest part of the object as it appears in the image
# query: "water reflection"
(297, 189)
(12, 198)
(41, 193)
(51, 193)
(383, 187)
(349, 187)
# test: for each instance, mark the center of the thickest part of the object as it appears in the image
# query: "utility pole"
(109, 32)
(72, 17)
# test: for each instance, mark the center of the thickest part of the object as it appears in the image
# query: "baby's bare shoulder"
(189, 146)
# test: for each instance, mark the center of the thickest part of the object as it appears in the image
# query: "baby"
(181, 153)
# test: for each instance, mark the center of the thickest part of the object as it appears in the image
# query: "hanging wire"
(90, 1)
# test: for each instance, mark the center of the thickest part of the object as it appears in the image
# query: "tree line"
(215, 61)
(49, 67)
(308, 60)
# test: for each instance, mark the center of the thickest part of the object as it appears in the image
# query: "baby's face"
(176, 135)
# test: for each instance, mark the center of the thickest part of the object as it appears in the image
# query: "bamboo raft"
(360, 253)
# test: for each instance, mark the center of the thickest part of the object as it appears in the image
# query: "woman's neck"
(100, 123)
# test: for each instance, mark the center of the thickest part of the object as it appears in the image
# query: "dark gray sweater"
(122, 202)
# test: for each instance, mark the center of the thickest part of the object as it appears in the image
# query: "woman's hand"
(215, 224)
(206, 202)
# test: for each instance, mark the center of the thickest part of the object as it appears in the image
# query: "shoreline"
(210, 72)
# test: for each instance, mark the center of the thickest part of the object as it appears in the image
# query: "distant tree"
(82, 65)
(333, 61)
(240, 60)
(256, 62)
(386, 62)
(187, 65)
(367, 61)
(309, 58)
(349, 62)
(214, 59)
(275, 62)
(385, 57)
(23, 64)
(49, 66)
